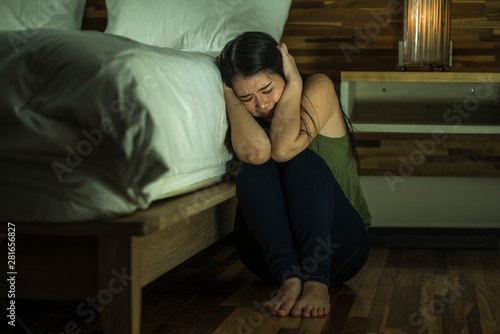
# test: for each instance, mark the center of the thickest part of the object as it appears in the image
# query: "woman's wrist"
(231, 99)
(291, 94)
(236, 105)
(294, 83)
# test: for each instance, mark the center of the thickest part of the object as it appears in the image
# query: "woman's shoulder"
(319, 95)
(318, 86)
(316, 79)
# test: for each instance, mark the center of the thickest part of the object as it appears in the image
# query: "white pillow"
(37, 14)
(200, 25)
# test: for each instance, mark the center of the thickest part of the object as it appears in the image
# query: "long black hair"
(253, 52)
(248, 54)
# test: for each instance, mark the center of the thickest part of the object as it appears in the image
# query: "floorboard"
(400, 290)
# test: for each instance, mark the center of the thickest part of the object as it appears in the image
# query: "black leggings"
(293, 220)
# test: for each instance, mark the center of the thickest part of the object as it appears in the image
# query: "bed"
(113, 150)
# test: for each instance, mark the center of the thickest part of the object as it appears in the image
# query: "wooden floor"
(398, 291)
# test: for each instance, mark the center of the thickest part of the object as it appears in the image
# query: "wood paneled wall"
(335, 36)
(342, 35)
(362, 35)
(398, 155)
(95, 17)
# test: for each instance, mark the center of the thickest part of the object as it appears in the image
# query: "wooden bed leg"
(119, 295)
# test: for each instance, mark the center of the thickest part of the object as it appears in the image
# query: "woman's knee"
(305, 162)
(249, 174)
(307, 169)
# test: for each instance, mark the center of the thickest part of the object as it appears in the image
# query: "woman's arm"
(317, 97)
(249, 140)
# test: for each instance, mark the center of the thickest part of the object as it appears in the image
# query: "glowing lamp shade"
(427, 33)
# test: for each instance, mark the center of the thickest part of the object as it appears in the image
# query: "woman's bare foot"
(315, 301)
(286, 297)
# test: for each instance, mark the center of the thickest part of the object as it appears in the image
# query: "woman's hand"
(229, 96)
(289, 67)
(286, 125)
(249, 140)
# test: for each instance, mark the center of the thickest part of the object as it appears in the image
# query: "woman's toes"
(282, 313)
(282, 303)
(306, 311)
(321, 312)
(285, 309)
(296, 311)
(268, 307)
(314, 312)
(272, 307)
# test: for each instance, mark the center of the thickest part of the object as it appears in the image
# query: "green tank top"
(335, 152)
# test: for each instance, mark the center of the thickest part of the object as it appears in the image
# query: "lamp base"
(442, 68)
(404, 65)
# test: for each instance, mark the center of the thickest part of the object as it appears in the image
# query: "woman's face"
(259, 93)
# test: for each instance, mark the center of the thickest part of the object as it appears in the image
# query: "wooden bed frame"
(94, 260)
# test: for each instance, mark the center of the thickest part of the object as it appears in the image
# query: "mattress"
(95, 126)
(175, 185)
